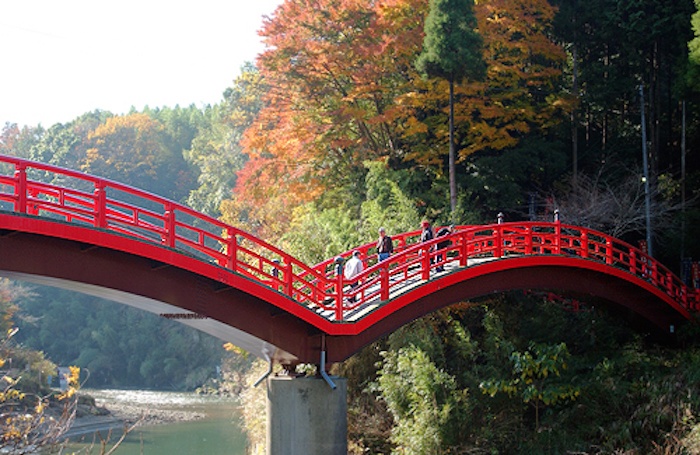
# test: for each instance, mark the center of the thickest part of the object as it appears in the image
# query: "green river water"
(218, 433)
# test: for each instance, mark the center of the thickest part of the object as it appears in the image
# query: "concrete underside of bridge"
(231, 314)
(264, 329)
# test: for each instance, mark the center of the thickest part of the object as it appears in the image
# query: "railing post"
(608, 250)
(498, 251)
(100, 205)
(32, 208)
(231, 247)
(584, 244)
(528, 241)
(339, 300)
(633, 262)
(169, 221)
(464, 254)
(21, 188)
(384, 280)
(557, 232)
(425, 263)
(288, 276)
(683, 291)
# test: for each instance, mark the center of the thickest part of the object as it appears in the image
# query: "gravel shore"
(147, 414)
(112, 413)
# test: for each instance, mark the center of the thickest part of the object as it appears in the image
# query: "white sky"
(60, 59)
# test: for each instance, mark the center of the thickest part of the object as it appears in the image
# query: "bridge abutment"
(306, 417)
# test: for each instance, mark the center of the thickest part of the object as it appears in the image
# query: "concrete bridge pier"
(306, 417)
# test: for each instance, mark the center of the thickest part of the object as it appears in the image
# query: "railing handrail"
(100, 210)
(564, 240)
(177, 226)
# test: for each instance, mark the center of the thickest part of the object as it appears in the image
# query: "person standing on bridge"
(427, 235)
(353, 268)
(442, 245)
(338, 265)
(384, 245)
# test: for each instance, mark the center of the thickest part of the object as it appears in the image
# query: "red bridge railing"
(36, 189)
(471, 245)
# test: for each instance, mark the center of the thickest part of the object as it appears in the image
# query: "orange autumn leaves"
(341, 88)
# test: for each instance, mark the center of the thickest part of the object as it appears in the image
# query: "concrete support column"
(306, 417)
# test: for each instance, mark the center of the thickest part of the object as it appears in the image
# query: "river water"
(218, 432)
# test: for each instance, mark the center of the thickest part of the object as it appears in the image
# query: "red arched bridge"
(69, 229)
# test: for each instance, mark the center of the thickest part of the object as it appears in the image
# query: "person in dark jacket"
(427, 231)
(385, 246)
(442, 245)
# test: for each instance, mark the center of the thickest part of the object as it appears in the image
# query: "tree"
(25, 425)
(620, 45)
(332, 71)
(535, 378)
(216, 150)
(134, 149)
(616, 208)
(424, 401)
(18, 142)
(451, 50)
(692, 77)
(81, 330)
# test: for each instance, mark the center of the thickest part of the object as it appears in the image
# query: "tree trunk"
(453, 180)
(574, 125)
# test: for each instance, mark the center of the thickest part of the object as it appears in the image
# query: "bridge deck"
(404, 286)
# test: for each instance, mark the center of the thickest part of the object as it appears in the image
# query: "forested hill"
(342, 126)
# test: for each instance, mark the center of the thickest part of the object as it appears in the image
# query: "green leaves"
(535, 377)
(424, 400)
(452, 46)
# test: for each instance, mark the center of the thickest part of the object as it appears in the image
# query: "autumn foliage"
(343, 89)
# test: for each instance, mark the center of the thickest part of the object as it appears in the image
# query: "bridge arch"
(552, 273)
(244, 318)
(118, 242)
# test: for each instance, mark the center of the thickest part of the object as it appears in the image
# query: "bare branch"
(616, 208)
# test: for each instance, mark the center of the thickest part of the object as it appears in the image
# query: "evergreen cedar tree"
(452, 51)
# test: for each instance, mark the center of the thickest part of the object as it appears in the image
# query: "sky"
(61, 59)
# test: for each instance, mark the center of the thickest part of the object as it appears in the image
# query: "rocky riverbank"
(104, 411)
(147, 414)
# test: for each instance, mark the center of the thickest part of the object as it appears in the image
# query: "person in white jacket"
(353, 268)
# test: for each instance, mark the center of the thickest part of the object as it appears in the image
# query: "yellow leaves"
(11, 394)
(23, 427)
(123, 144)
(236, 350)
(139, 123)
(414, 126)
(73, 379)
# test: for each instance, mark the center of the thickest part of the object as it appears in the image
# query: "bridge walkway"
(401, 282)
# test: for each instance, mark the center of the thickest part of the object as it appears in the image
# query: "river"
(216, 432)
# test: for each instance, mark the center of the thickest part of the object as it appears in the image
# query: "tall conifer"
(452, 51)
